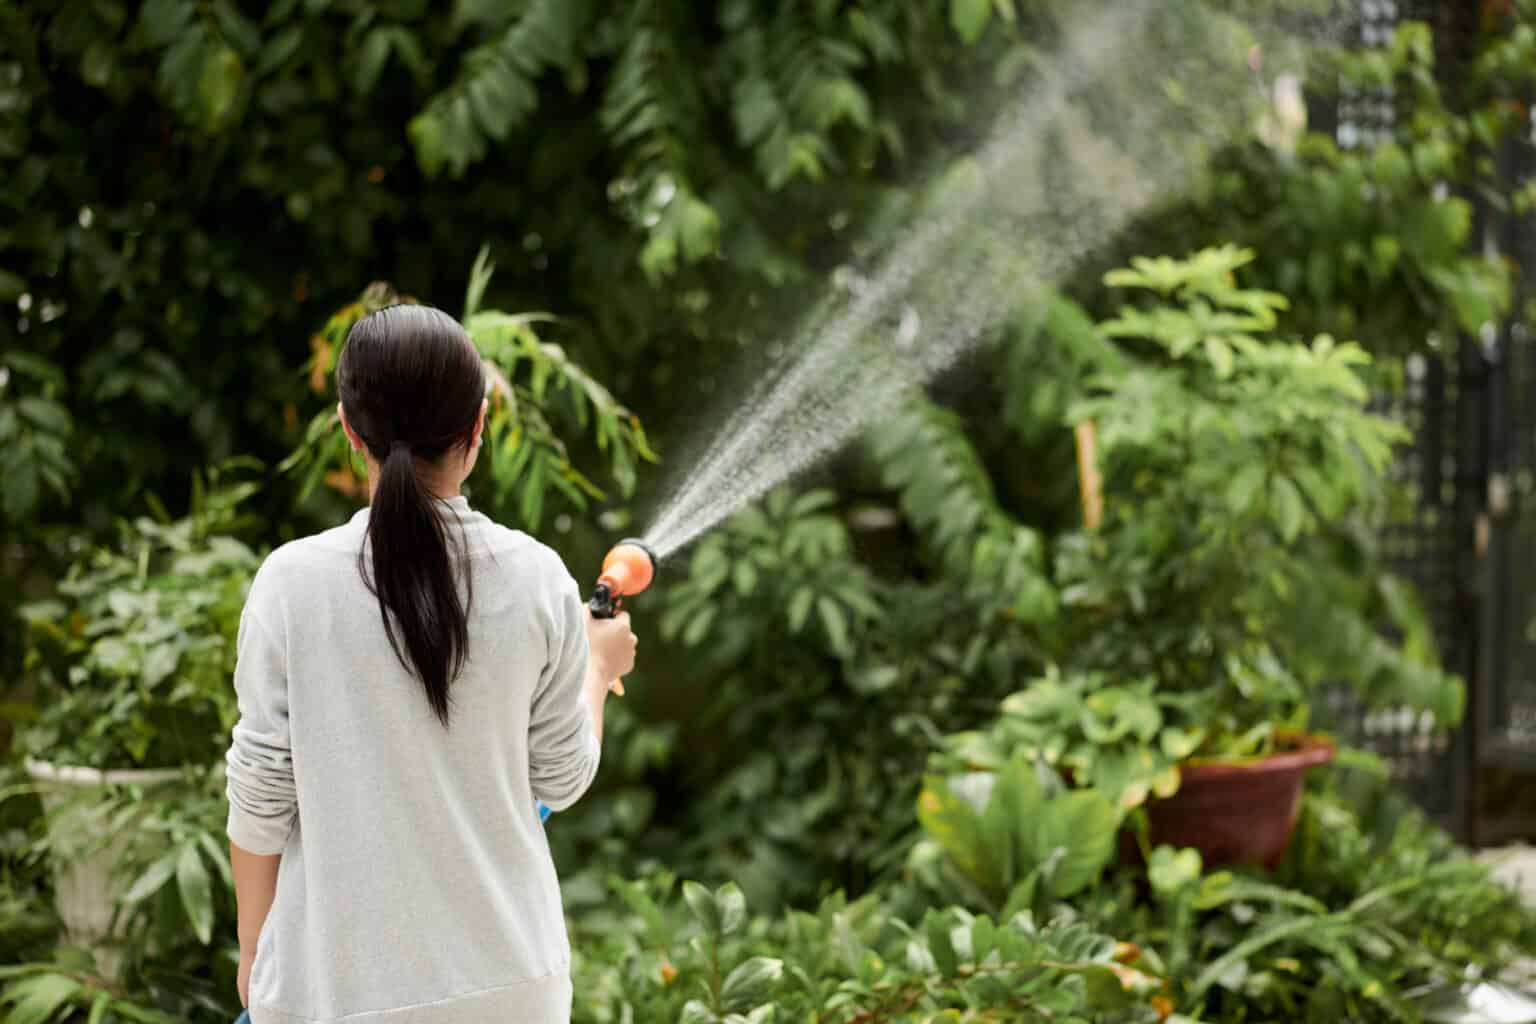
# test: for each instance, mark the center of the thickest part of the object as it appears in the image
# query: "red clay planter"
(1239, 812)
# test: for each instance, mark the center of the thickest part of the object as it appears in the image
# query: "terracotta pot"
(1239, 812)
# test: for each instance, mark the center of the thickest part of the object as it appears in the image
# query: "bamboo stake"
(1090, 486)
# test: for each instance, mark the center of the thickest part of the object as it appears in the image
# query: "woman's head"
(413, 399)
(410, 377)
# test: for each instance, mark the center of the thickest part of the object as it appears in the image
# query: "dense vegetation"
(198, 195)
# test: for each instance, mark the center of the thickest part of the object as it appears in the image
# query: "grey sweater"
(416, 884)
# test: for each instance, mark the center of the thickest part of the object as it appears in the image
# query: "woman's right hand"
(612, 646)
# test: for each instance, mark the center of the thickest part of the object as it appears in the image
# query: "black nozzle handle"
(605, 603)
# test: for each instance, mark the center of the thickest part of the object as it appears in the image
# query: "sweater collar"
(458, 503)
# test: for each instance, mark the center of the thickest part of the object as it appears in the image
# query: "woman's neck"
(437, 483)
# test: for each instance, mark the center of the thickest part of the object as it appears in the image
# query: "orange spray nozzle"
(627, 570)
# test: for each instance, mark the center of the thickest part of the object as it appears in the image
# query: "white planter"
(86, 888)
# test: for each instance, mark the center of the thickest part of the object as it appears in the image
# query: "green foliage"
(643, 170)
(1355, 918)
(135, 658)
(497, 88)
(172, 854)
(668, 179)
(945, 492)
(175, 925)
(1125, 741)
(789, 555)
(846, 962)
(60, 991)
(1018, 846)
(856, 677)
(1371, 238)
(34, 430)
(1239, 471)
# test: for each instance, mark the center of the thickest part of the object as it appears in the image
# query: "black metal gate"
(1467, 534)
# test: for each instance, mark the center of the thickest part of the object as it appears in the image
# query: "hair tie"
(395, 446)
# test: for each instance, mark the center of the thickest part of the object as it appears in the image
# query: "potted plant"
(132, 665)
(1232, 576)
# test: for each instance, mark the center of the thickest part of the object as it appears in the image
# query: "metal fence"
(1466, 533)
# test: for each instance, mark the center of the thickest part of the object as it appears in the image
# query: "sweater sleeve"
(563, 750)
(263, 802)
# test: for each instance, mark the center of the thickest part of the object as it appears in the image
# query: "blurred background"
(1213, 443)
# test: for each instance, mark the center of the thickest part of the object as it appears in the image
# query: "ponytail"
(411, 385)
(413, 578)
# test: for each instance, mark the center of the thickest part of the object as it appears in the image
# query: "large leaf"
(970, 17)
(38, 999)
(196, 890)
(751, 983)
(1078, 830)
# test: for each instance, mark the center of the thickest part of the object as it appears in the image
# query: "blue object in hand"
(543, 812)
(245, 1018)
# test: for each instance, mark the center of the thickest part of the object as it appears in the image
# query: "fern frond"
(650, 99)
(498, 86)
(946, 494)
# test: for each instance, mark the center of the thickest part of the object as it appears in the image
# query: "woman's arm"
(263, 801)
(255, 887)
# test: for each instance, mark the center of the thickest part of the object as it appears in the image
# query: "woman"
(410, 684)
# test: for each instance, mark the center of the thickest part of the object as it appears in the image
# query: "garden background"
(889, 720)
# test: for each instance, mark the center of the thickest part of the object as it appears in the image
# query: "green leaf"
(11, 286)
(1083, 826)
(236, 28)
(937, 926)
(1220, 355)
(1288, 508)
(403, 41)
(1172, 870)
(38, 999)
(371, 58)
(732, 906)
(969, 17)
(164, 20)
(21, 491)
(1246, 948)
(751, 983)
(702, 903)
(1244, 487)
(835, 622)
(159, 663)
(196, 891)
(800, 608)
(951, 823)
(150, 882)
(219, 85)
(45, 415)
(280, 49)
(1178, 743)
(695, 1012)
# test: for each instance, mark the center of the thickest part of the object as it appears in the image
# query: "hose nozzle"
(627, 570)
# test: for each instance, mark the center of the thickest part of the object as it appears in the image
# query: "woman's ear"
(479, 423)
(346, 428)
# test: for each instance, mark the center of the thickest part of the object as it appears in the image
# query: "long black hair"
(411, 384)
